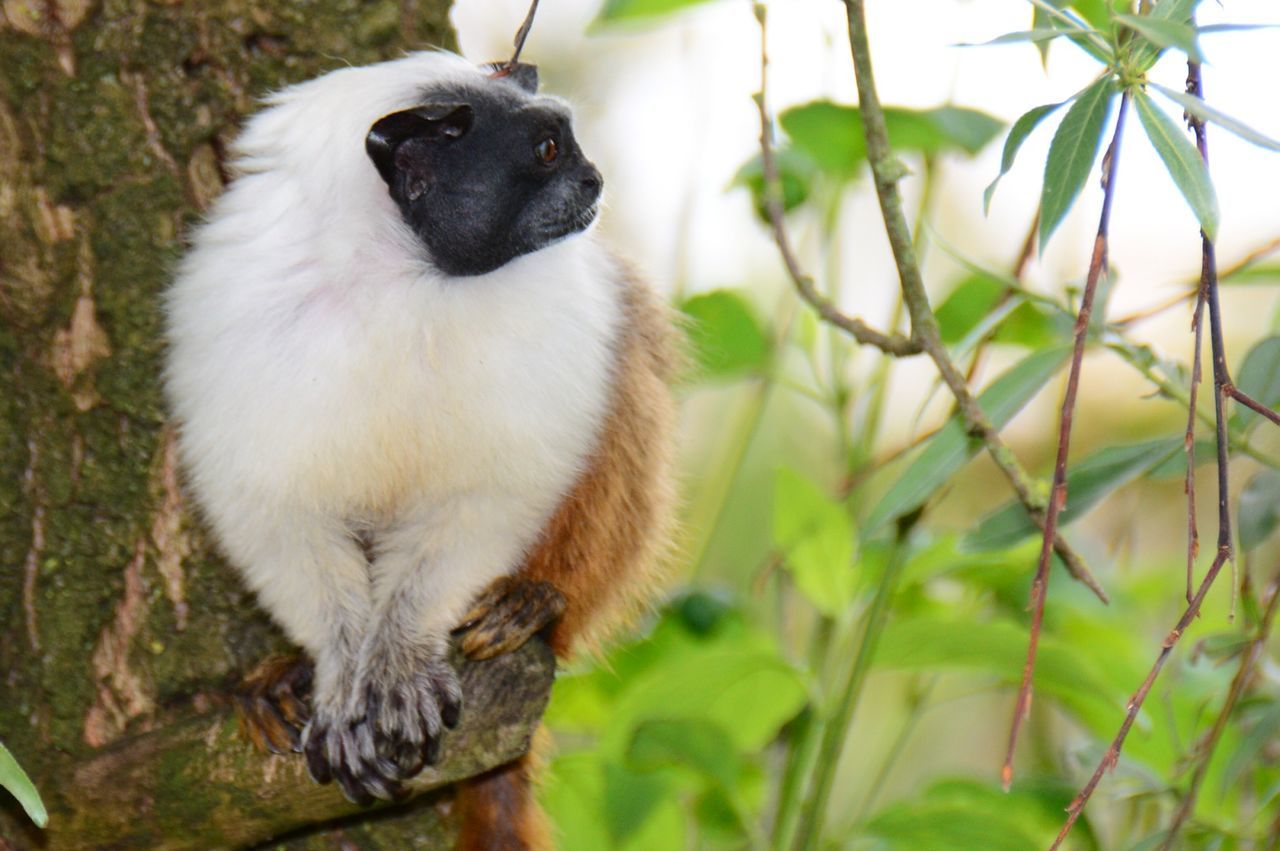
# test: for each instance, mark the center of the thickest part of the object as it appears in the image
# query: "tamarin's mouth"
(577, 222)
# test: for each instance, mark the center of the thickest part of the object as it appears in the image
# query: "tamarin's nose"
(592, 182)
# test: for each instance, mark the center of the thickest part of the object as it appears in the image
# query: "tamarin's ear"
(522, 74)
(430, 123)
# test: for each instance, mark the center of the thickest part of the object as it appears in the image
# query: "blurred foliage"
(705, 732)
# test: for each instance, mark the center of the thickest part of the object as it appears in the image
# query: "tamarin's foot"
(271, 703)
(511, 610)
(387, 725)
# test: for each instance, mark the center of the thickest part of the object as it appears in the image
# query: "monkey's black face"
(486, 172)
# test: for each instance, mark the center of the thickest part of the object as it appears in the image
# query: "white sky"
(666, 112)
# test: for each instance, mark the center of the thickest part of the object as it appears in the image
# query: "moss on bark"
(116, 615)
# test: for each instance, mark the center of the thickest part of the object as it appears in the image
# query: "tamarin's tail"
(499, 809)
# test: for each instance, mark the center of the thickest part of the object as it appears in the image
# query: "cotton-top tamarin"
(415, 397)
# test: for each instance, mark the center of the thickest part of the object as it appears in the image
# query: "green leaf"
(1182, 160)
(1072, 153)
(630, 799)
(817, 538)
(1087, 483)
(728, 340)
(1261, 729)
(615, 11)
(949, 827)
(951, 448)
(951, 813)
(1163, 33)
(1053, 13)
(966, 306)
(13, 778)
(999, 648)
(1018, 134)
(1254, 273)
(832, 135)
(1204, 112)
(1144, 53)
(750, 693)
(941, 129)
(597, 804)
(1035, 36)
(1259, 377)
(693, 743)
(795, 175)
(1259, 511)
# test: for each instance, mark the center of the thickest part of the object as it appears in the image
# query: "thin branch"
(892, 344)
(1249, 402)
(1189, 441)
(1058, 493)
(1225, 551)
(1204, 750)
(1112, 754)
(522, 34)
(887, 170)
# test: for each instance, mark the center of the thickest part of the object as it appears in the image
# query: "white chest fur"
(318, 365)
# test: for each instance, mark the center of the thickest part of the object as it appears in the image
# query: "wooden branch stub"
(198, 783)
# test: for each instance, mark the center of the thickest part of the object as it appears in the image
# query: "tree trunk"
(117, 617)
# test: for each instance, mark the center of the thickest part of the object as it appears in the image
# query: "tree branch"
(1204, 750)
(1058, 492)
(151, 790)
(886, 170)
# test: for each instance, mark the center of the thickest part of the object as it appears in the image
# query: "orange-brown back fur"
(604, 547)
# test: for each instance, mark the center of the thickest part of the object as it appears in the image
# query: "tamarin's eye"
(547, 151)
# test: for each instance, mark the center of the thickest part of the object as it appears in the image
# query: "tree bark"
(117, 617)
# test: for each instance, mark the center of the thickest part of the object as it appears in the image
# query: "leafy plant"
(14, 779)
(830, 570)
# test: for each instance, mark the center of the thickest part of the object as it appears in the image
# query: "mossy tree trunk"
(116, 614)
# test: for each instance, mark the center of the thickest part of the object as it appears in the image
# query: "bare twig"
(1205, 748)
(1193, 534)
(893, 344)
(1249, 402)
(1225, 551)
(1058, 494)
(522, 34)
(1112, 754)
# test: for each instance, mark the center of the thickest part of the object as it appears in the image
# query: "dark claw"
(450, 711)
(431, 750)
(317, 765)
(352, 789)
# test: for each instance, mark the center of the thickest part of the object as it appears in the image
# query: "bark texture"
(117, 618)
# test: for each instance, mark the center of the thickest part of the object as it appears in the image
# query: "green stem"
(748, 426)
(803, 746)
(839, 726)
(917, 702)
